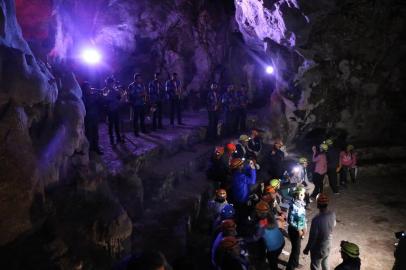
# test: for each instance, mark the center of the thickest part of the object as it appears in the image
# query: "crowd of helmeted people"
(147, 101)
(251, 218)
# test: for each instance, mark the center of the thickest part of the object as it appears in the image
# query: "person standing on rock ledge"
(173, 89)
(92, 101)
(213, 109)
(138, 98)
(113, 102)
(157, 96)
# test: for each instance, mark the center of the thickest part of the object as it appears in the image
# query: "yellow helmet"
(275, 183)
(244, 138)
(328, 142)
(302, 160)
(350, 147)
(324, 146)
(351, 249)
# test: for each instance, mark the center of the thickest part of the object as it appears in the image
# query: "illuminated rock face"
(336, 69)
(41, 127)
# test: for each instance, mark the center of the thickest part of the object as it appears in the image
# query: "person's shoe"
(310, 200)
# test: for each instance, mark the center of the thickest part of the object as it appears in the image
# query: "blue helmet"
(227, 212)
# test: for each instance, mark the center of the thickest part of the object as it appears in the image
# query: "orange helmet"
(228, 242)
(228, 225)
(236, 163)
(231, 147)
(262, 207)
(219, 151)
(322, 199)
(221, 193)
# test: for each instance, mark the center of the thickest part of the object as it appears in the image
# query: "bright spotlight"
(296, 169)
(269, 69)
(91, 56)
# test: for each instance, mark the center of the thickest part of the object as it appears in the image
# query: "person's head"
(254, 133)
(231, 148)
(322, 201)
(228, 227)
(109, 82)
(149, 260)
(262, 209)
(230, 245)
(303, 162)
(275, 183)
(157, 75)
(214, 86)
(349, 250)
(278, 144)
(137, 78)
(218, 152)
(244, 139)
(174, 76)
(299, 193)
(221, 195)
(323, 147)
(350, 148)
(236, 164)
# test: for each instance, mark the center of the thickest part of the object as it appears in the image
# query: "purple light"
(269, 69)
(91, 56)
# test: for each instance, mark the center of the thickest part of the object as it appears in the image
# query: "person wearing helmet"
(227, 228)
(218, 168)
(243, 177)
(350, 255)
(229, 257)
(300, 178)
(333, 160)
(113, 101)
(348, 164)
(276, 159)
(297, 226)
(242, 146)
(217, 204)
(320, 169)
(228, 212)
(320, 236)
(213, 108)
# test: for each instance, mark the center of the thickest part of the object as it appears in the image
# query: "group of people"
(149, 99)
(233, 103)
(250, 218)
(143, 99)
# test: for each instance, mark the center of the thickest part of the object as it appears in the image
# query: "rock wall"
(338, 63)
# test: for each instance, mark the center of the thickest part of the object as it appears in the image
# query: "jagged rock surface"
(342, 75)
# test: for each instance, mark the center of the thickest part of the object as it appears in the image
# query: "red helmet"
(231, 147)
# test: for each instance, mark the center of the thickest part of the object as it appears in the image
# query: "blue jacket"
(137, 94)
(240, 187)
(273, 239)
(156, 91)
(170, 87)
(229, 101)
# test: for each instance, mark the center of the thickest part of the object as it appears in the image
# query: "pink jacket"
(321, 163)
(348, 160)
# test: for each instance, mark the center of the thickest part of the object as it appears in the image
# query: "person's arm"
(312, 237)
(316, 157)
(251, 179)
(354, 160)
(292, 217)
